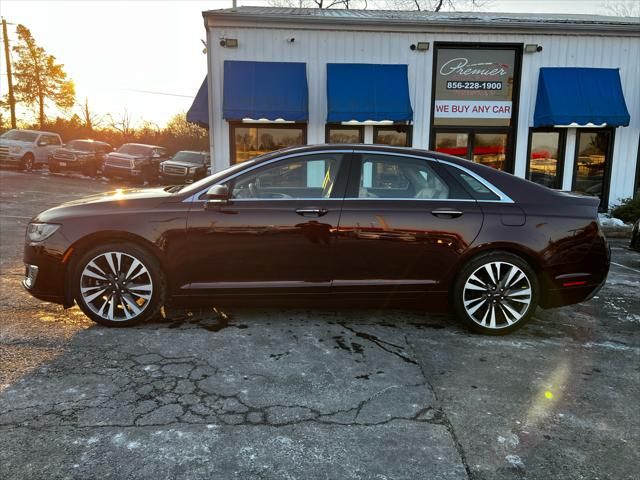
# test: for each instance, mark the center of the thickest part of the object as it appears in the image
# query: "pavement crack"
(442, 417)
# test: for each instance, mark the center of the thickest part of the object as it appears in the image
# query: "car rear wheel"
(119, 285)
(27, 162)
(495, 293)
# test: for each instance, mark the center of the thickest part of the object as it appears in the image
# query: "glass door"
(593, 163)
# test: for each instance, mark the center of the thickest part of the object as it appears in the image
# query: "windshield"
(189, 157)
(20, 135)
(81, 145)
(132, 149)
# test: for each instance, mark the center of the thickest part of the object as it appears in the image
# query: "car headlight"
(15, 149)
(37, 232)
(193, 169)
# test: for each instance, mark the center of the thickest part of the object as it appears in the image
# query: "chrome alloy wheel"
(116, 286)
(497, 295)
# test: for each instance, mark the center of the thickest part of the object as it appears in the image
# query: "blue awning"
(270, 90)
(581, 96)
(199, 111)
(358, 91)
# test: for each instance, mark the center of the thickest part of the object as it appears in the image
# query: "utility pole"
(12, 100)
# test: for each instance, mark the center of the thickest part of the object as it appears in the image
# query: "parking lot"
(306, 394)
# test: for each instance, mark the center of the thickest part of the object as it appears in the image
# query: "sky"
(147, 56)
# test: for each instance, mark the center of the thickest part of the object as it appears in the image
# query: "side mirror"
(218, 194)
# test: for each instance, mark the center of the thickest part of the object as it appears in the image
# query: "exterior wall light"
(229, 42)
(420, 46)
(532, 48)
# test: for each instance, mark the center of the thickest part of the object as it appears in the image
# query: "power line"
(150, 92)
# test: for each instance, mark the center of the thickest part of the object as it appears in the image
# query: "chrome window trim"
(502, 197)
(195, 196)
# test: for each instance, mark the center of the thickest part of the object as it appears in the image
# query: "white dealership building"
(552, 98)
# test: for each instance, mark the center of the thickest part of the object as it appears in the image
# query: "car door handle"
(446, 212)
(312, 212)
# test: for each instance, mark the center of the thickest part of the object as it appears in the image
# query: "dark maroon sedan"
(365, 223)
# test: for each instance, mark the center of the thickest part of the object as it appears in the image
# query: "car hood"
(4, 141)
(124, 155)
(180, 164)
(109, 202)
(74, 151)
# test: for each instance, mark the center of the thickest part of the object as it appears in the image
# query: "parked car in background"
(185, 166)
(363, 223)
(85, 156)
(635, 236)
(136, 161)
(27, 149)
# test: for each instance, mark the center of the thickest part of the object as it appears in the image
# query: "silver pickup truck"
(27, 149)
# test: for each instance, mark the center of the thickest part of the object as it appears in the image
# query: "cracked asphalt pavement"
(305, 394)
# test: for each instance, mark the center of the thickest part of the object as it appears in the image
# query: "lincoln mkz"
(364, 223)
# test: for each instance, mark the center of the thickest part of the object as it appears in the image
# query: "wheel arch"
(528, 255)
(75, 251)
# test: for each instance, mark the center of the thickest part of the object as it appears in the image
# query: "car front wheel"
(495, 293)
(119, 284)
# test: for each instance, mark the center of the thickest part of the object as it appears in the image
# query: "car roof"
(34, 131)
(193, 151)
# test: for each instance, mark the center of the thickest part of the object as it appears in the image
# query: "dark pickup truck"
(185, 167)
(85, 156)
(136, 161)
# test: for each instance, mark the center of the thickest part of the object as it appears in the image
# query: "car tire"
(53, 167)
(495, 293)
(90, 171)
(27, 163)
(133, 296)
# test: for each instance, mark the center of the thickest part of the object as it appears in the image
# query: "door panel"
(401, 245)
(258, 244)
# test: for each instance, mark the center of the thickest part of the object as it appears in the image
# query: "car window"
(383, 176)
(477, 189)
(311, 176)
(49, 140)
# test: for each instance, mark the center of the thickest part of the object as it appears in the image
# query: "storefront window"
(593, 160)
(249, 141)
(396, 135)
(456, 144)
(344, 134)
(490, 149)
(545, 158)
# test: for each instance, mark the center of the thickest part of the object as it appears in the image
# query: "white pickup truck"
(27, 149)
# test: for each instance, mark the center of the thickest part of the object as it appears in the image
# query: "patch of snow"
(515, 461)
(608, 221)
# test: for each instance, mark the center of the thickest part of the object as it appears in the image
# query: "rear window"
(476, 188)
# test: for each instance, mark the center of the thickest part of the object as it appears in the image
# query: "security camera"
(539, 49)
(291, 39)
(223, 42)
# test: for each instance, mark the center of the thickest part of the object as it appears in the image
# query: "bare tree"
(623, 8)
(438, 5)
(122, 123)
(90, 119)
(347, 4)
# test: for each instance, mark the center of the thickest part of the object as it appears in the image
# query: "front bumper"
(45, 274)
(177, 178)
(121, 172)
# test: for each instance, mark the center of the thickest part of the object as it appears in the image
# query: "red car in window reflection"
(357, 222)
